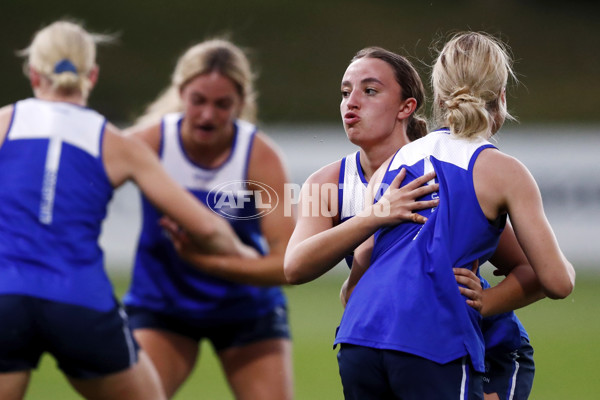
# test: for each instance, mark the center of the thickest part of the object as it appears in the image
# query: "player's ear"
(407, 107)
(93, 75)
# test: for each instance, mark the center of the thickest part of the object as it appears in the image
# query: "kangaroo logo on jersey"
(235, 199)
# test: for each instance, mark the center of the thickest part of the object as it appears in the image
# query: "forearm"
(319, 253)
(221, 240)
(519, 289)
(344, 293)
(261, 271)
(360, 264)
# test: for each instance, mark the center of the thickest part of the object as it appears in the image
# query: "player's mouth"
(208, 128)
(351, 118)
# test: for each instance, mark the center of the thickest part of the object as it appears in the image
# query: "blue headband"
(64, 65)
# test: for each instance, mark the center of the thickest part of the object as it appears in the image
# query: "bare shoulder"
(500, 180)
(496, 165)
(115, 143)
(6, 111)
(5, 118)
(266, 163)
(149, 133)
(329, 173)
(119, 145)
(124, 155)
(264, 146)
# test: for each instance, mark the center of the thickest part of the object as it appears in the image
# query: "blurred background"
(300, 50)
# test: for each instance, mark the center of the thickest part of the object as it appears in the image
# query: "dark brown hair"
(409, 81)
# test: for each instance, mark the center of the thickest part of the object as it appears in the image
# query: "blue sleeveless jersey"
(161, 280)
(408, 300)
(54, 191)
(501, 332)
(352, 186)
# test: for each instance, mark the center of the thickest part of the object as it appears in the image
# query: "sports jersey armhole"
(476, 154)
(341, 182)
(10, 124)
(161, 142)
(248, 152)
(359, 169)
(500, 221)
(101, 150)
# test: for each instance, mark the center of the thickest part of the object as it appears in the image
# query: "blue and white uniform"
(408, 300)
(508, 356)
(54, 192)
(352, 186)
(165, 284)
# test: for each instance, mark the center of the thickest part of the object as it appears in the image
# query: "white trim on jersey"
(73, 124)
(58, 122)
(422, 148)
(353, 189)
(195, 177)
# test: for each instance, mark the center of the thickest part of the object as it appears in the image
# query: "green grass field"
(565, 335)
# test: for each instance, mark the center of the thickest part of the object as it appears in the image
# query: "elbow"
(559, 293)
(292, 276)
(206, 231)
(561, 288)
(293, 272)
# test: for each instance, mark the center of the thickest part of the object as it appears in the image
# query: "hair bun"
(463, 95)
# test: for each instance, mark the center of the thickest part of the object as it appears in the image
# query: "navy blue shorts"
(510, 374)
(272, 325)
(85, 343)
(373, 374)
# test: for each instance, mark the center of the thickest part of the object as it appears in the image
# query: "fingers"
(471, 287)
(468, 282)
(419, 188)
(467, 278)
(416, 188)
(475, 266)
(398, 179)
(176, 234)
(473, 298)
(168, 224)
(422, 205)
(477, 305)
(418, 218)
(423, 190)
(420, 181)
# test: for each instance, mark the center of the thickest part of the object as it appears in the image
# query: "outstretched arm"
(319, 243)
(267, 168)
(130, 158)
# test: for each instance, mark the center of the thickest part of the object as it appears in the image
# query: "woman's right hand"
(399, 203)
(185, 246)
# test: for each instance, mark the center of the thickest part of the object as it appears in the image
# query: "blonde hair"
(468, 80)
(65, 53)
(212, 55)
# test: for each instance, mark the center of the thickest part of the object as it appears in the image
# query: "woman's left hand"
(471, 285)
